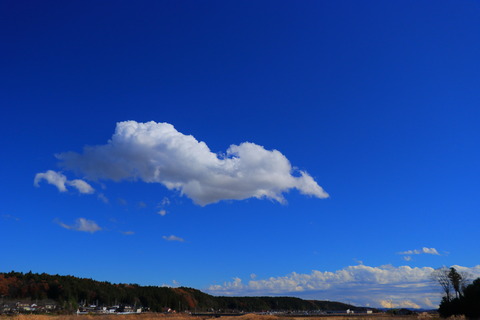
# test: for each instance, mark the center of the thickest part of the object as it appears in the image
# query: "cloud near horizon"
(363, 285)
(158, 153)
(60, 181)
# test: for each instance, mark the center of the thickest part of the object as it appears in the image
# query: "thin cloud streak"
(173, 238)
(9, 217)
(103, 198)
(424, 250)
(83, 225)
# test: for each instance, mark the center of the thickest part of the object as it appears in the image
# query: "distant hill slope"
(68, 291)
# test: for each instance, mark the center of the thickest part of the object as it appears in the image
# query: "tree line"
(459, 297)
(69, 292)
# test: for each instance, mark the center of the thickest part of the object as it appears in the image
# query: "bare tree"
(441, 276)
(466, 279)
(451, 281)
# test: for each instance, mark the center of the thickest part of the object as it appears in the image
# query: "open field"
(159, 316)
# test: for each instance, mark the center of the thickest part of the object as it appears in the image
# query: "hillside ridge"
(69, 292)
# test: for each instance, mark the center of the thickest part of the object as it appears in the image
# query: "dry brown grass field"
(160, 316)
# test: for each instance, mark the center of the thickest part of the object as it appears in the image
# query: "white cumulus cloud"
(361, 285)
(157, 152)
(82, 224)
(60, 181)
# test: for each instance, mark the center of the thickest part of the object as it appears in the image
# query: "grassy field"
(160, 316)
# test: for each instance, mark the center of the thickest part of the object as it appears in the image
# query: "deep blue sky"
(376, 100)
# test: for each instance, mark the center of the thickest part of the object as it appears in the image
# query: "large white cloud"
(363, 285)
(60, 181)
(157, 152)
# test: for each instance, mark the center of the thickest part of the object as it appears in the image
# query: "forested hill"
(69, 291)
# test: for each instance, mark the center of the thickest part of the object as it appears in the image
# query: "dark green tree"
(467, 303)
(456, 280)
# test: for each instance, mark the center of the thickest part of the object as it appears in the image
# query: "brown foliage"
(189, 299)
(5, 284)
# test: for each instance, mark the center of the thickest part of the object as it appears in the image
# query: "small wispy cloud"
(142, 204)
(103, 198)
(165, 201)
(128, 233)
(81, 224)
(81, 186)
(9, 217)
(51, 177)
(161, 205)
(60, 181)
(173, 238)
(174, 284)
(424, 250)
